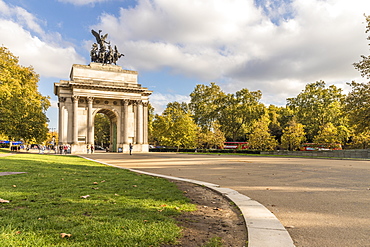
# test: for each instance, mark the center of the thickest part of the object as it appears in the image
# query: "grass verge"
(121, 208)
(4, 150)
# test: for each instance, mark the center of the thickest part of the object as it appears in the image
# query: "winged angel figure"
(102, 54)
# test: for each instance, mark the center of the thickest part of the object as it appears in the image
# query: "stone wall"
(353, 153)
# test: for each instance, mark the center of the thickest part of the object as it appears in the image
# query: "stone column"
(139, 122)
(75, 119)
(145, 122)
(90, 126)
(125, 103)
(61, 121)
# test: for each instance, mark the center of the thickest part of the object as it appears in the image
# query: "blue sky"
(273, 46)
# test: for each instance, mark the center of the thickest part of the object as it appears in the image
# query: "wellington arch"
(108, 89)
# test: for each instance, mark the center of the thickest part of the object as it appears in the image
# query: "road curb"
(264, 229)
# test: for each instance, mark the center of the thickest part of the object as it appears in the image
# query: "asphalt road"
(322, 202)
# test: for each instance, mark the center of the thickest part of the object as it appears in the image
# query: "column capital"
(62, 99)
(137, 102)
(125, 102)
(90, 99)
(75, 98)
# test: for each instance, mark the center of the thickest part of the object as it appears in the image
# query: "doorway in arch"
(103, 137)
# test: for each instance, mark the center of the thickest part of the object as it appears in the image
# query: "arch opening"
(105, 130)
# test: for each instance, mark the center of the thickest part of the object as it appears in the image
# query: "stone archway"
(108, 89)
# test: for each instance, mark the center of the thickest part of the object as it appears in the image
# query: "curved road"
(321, 202)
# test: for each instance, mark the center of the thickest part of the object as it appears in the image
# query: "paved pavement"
(321, 202)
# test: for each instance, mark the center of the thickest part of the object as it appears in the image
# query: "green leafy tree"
(237, 112)
(275, 116)
(260, 138)
(361, 140)
(203, 104)
(358, 105)
(212, 138)
(175, 127)
(22, 107)
(101, 129)
(344, 134)
(234, 113)
(328, 135)
(293, 136)
(318, 105)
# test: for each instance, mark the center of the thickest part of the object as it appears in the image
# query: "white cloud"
(27, 19)
(21, 16)
(48, 60)
(44, 52)
(159, 101)
(239, 45)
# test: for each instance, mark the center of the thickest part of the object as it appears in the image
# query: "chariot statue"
(100, 53)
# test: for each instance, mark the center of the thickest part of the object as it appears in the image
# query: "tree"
(102, 129)
(237, 112)
(344, 134)
(328, 135)
(316, 106)
(293, 136)
(22, 107)
(361, 140)
(275, 117)
(212, 138)
(175, 127)
(203, 104)
(358, 105)
(260, 138)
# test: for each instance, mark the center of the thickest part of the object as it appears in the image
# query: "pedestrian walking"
(130, 147)
(87, 148)
(92, 149)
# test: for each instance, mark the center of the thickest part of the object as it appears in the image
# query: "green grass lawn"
(123, 208)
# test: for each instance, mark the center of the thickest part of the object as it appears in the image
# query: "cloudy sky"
(276, 46)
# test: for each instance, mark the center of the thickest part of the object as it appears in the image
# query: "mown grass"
(123, 208)
(4, 150)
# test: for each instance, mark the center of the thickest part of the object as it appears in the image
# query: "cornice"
(113, 88)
